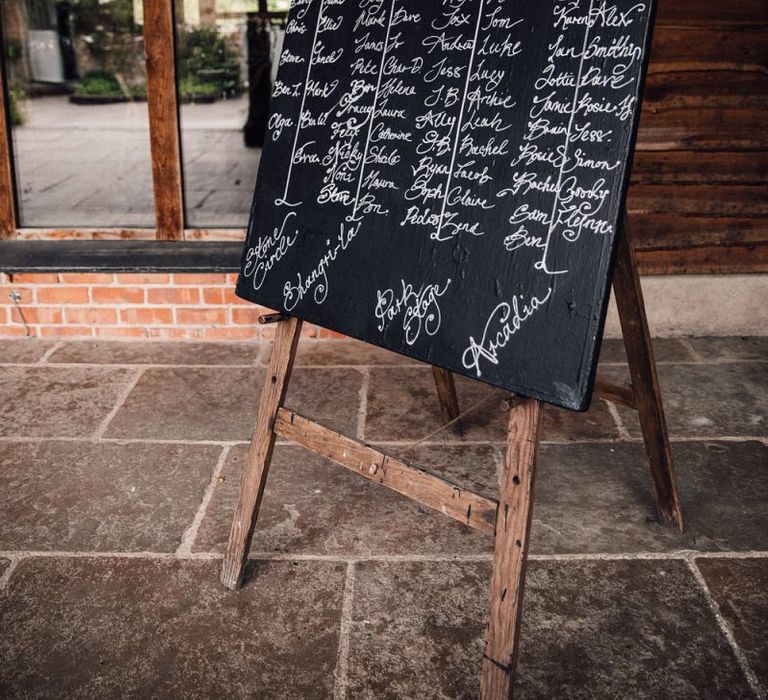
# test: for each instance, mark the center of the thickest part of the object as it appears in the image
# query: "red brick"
(232, 278)
(36, 314)
(131, 278)
(247, 316)
(27, 295)
(35, 278)
(202, 316)
(117, 295)
(145, 316)
(62, 295)
(66, 331)
(88, 314)
(218, 278)
(173, 295)
(7, 331)
(215, 295)
(87, 277)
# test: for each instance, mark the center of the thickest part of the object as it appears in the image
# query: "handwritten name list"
(445, 180)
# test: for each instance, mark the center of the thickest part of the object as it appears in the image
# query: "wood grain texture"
(7, 201)
(618, 392)
(645, 381)
(447, 398)
(260, 452)
(159, 42)
(513, 525)
(417, 484)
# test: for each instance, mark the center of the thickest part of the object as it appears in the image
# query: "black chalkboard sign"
(445, 179)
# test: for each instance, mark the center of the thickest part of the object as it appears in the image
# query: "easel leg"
(645, 381)
(260, 452)
(446, 395)
(513, 524)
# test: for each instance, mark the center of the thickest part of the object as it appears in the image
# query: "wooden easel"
(509, 518)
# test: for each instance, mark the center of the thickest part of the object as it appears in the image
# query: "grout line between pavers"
(675, 555)
(190, 535)
(689, 347)
(623, 432)
(44, 359)
(298, 365)
(362, 412)
(6, 577)
(118, 405)
(725, 628)
(341, 673)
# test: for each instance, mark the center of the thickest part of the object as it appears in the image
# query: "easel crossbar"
(618, 392)
(417, 484)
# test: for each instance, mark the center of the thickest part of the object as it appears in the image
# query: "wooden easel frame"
(509, 518)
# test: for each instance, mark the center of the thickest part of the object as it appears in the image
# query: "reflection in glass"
(76, 81)
(226, 60)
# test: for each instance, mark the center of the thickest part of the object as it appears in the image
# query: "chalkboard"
(446, 178)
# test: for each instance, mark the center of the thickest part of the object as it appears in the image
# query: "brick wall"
(103, 305)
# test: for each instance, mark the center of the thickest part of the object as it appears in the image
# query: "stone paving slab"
(740, 587)
(84, 496)
(137, 628)
(157, 353)
(731, 348)
(402, 405)
(24, 350)
(311, 505)
(603, 629)
(220, 403)
(597, 497)
(590, 498)
(711, 400)
(41, 401)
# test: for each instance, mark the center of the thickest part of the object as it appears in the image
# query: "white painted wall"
(698, 305)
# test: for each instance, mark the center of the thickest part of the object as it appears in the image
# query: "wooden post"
(513, 524)
(447, 397)
(7, 200)
(260, 452)
(163, 119)
(645, 381)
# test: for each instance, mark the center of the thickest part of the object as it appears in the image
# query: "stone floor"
(119, 469)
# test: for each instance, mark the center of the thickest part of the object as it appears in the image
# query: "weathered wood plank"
(428, 489)
(260, 452)
(159, 41)
(716, 259)
(713, 200)
(645, 382)
(710, 43)
(7, 198)
(447, 397)
(618, 392)
(733, 11)
(690, 167)
(513, 524)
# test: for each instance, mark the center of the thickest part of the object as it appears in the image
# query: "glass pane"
(76, 79)
(226, 61)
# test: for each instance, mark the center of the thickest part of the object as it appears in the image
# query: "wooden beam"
(260, 452)
(513, 526)
(618, 392)
(428, 489)
(7, 200)
(159, 42)
(645, 381)
(447, 398)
